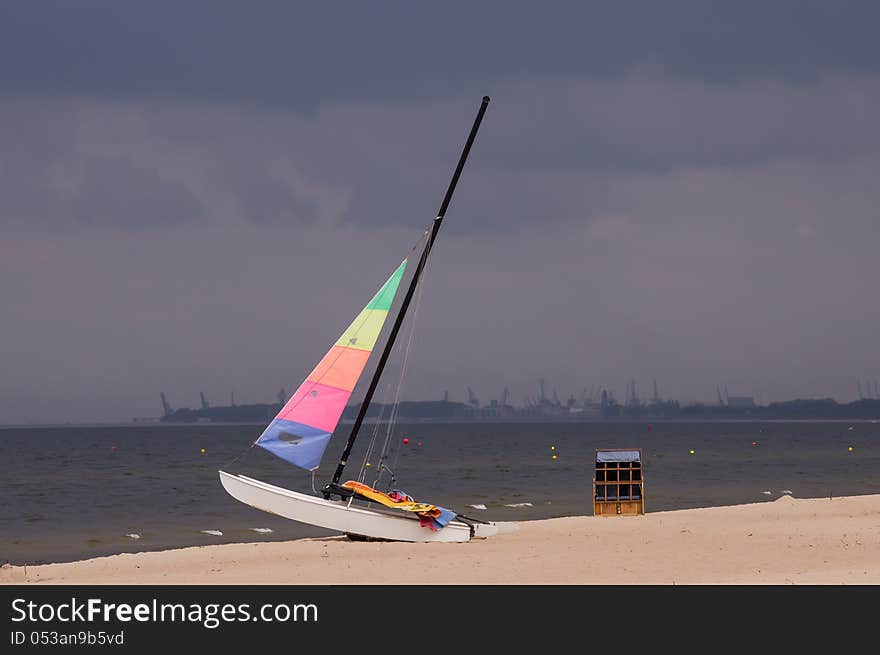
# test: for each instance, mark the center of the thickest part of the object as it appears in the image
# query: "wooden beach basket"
(618, 482)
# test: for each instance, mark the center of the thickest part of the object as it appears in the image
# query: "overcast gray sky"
(199, 196)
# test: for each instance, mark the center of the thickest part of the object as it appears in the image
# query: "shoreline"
(454, 421)
(786, 541)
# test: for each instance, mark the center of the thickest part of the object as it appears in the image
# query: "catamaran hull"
(339, 516)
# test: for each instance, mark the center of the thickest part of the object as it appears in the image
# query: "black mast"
(334, 486)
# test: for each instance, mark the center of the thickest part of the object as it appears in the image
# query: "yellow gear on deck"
(368, 492)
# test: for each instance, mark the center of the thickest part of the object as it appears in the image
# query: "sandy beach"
(787, 541)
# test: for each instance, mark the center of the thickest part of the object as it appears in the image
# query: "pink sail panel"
(317, 405)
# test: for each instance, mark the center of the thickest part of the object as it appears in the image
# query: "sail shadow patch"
(290, 438)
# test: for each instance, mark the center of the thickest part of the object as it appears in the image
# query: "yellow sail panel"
(364, 331)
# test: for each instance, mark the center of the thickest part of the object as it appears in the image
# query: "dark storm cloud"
(305, 54)
(115, 190)
(364, 106)
(374, 164)
(58, 169)
(199, 195)
(654, 124)
(269, 201)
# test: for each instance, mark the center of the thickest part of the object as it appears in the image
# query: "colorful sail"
(301, 430)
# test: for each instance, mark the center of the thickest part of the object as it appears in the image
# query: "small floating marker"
(850, 428)
(692, 452)
(554, 456)
(133, 535)
(552, 447)
(755, 444)
(203, 451)
(850, 449)
(406, 440)
(368, 465)
(216, 533)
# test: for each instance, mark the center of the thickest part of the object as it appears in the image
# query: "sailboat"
(301, 431)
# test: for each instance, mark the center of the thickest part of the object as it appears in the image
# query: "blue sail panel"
(299, 444)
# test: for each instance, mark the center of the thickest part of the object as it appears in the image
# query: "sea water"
(68, 493)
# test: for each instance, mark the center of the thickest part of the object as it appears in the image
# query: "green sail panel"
(385, 296)
(364, 330)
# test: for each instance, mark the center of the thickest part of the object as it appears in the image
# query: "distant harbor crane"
(632, 397)
(472, 398)
(166, 406)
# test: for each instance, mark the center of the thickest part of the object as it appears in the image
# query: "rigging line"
(404, 367)
(375, 432)
(414, 319)
(386, 392)
(369, 451)
(419, 241)
(239, 456)
(362, 473)
(392, 420)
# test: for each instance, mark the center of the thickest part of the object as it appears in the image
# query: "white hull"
(339, 516)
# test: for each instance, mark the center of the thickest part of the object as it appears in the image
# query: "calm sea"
(69, 493)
